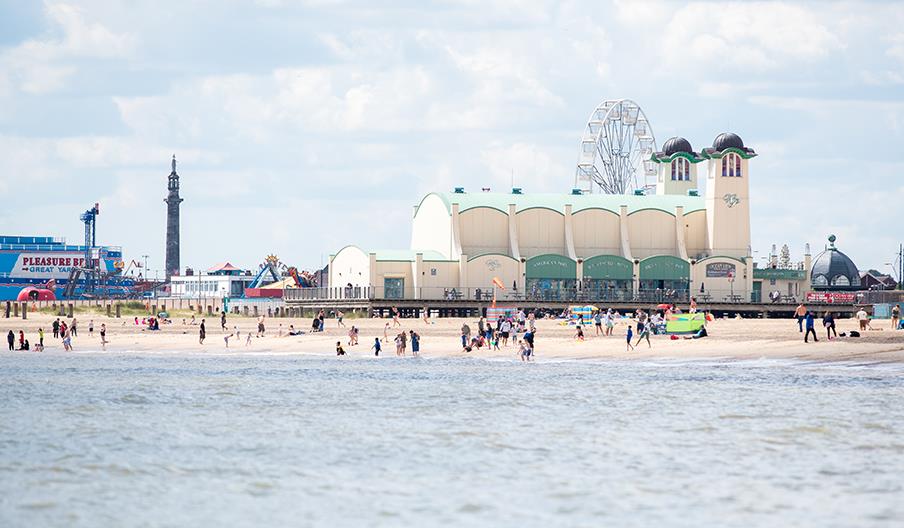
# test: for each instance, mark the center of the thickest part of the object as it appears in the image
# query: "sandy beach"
(729, 338)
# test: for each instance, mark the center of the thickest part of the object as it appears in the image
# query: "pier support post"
(109, 308)
(70, 308)
(245, 311)
(255, 310)
(24, 310)
(16, 310)
(7, 309)
(118, 310)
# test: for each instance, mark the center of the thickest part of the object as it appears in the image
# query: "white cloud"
(40, 66)
(746, 36)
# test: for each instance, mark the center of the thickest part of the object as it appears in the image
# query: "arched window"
(731, 165)
(681, 170)
(841, 280)
(820, 280)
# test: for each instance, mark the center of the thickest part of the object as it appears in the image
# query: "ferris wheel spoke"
(624, 139)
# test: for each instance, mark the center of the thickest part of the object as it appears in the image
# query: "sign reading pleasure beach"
(46, 265)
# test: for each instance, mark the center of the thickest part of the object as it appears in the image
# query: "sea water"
(189, 440)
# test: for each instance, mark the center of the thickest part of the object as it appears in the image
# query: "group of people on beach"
(491, 334)
(61, 330)
(806, 322)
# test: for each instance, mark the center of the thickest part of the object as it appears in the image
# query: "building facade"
(665, 245)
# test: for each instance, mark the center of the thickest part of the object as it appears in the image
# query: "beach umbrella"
(701, 288)
(664, 306)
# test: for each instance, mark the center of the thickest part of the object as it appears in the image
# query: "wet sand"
(729, 338)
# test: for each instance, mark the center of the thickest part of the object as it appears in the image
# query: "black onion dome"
(677, 144)
(727, 140)
(833, 270)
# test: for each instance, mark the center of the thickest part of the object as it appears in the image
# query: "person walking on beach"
(629, 336)
(376, 347)
(260, 326)
(386, 333)
(63, 329)
(810, 328)
(91, 328)
(67, 340)
(11, 340)
(801, 314)
(895, 316)
(828, 321)
(103, 336)
(56, 328)
(395, 317)
(202, 333)
(223, 323)
(643, 332)
(73, 328)
(41, 337)
(321, 317)
(426, 315)
(465, 335)
(598, 322)
(339, 316)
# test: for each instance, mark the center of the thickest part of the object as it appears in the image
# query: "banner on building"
(720, 270)
(831, 297)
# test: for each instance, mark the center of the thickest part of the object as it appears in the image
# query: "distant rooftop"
(578, 202)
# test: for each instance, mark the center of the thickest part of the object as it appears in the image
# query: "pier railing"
(558, 294)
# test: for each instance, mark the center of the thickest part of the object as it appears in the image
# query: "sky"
(301, 126)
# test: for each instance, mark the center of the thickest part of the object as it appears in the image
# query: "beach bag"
(855, 333)
(673, 337)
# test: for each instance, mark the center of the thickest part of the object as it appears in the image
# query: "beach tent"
(685, 323)
(582, 313)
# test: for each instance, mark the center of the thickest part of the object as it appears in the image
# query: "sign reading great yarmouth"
(831, 297)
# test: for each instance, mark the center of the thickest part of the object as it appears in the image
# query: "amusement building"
(662, 242)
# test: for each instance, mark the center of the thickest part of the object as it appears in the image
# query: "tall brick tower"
(172, 223)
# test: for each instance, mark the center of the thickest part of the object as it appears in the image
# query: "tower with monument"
(172, 223)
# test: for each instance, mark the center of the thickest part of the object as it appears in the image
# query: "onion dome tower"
(727, 193)
(677, 170)
(834, 271)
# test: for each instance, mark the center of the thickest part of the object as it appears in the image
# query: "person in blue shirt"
(629, 335)
(810, 328)
(376, 347)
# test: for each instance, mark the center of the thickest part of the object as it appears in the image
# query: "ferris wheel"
(615, 150)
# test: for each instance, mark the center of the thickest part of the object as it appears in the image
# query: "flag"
(497, 282)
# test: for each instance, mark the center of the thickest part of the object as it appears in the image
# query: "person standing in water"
(11, 340)
(103, 336)
(415, 343)
(202, 333)
(376, 347)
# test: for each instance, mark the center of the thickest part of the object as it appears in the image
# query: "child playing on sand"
(628, 336)
(579, 335)
(496, 340)
(226, 339)
(339, 350)
(386, 333)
